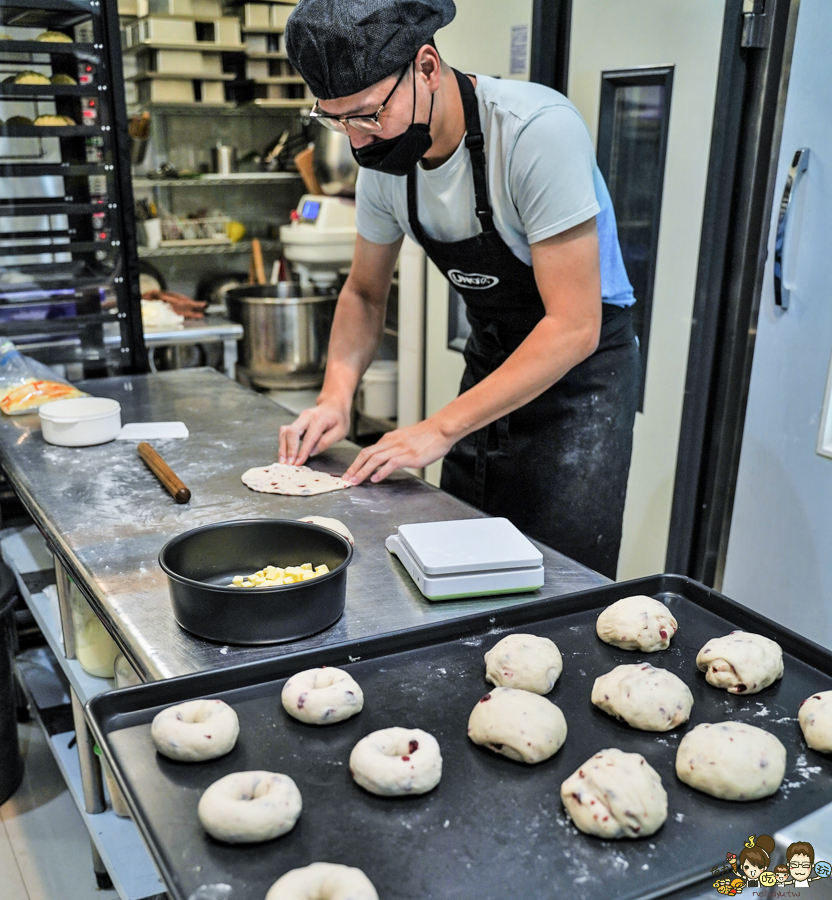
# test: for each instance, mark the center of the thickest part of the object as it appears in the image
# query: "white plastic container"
(82, 422)
(378, 393)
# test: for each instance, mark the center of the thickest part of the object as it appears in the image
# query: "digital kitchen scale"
(467, 558)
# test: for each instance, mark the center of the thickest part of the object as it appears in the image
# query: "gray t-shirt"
(542, 179)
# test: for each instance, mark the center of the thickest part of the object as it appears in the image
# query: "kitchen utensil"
(153, 431)
(224, 159)
(432, 677)
(168, 478)
(201, 563)
(256, 272)
(304, 163)
(286, 332)
(138, 129)
(81, 422)
(467, 558)
(334, 165)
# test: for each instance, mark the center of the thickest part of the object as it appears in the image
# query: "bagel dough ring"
(815, 717)
(615, 795)
(644, 697)
(518, 724)
(246, 807)
(195, 730)
(741, 662)
(524, 661)
(332, 524)
(637, 623)
(731, 761)
(322, 696)
(397, 761)
(323, 881)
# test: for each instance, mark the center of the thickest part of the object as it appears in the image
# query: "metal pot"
(201, 563)
(286, 332)
(334, 165)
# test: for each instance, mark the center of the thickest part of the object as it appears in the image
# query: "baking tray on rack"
(493, 828)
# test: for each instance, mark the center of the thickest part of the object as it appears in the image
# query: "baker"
(497, 180)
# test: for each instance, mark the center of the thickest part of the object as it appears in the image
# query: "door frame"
(744, 152)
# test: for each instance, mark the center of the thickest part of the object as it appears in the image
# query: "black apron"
(557, 467)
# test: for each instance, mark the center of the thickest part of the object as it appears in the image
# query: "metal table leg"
(67, 626)
(91, 780)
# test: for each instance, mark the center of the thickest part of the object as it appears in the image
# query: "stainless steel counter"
(106, 516)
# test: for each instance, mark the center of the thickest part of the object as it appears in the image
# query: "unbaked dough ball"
(397, 761)
(195, 730)
(741, 662)
(323, 881)
(731, 760)
(322, 696)
(524, 661)
(637, 623)
(815, 717)
(517, 724)
(247, 807)
(644, 697)
(615, 795)
(332, 524)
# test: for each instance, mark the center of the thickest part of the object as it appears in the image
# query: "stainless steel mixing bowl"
(286, 332)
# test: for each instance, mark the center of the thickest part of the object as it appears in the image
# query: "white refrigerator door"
(779, 558)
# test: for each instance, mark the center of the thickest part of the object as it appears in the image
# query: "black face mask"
(398, 155)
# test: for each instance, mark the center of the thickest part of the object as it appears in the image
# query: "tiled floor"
(44, 845)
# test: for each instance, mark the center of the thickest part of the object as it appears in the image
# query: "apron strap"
(475, 142)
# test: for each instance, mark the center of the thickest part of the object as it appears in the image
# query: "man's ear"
(429, 64)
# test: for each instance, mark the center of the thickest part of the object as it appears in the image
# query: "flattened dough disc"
(295, 481)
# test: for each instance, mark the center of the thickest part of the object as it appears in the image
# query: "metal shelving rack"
(68, 260)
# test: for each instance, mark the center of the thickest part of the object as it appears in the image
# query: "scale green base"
(523, 590)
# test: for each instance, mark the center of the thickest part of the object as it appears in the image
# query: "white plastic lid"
(468, 545)
(81, 409)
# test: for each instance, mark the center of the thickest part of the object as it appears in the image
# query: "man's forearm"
(544, 357)
(357, 329)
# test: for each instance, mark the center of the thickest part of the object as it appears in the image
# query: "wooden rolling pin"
(170, 481)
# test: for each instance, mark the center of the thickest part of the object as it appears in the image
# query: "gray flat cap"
(341, 47)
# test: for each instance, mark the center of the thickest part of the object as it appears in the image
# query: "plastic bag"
(26, 384)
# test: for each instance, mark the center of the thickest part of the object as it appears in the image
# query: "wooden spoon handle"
(170, 481)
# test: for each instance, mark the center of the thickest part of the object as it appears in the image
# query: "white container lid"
(81, 409)
(468, 545)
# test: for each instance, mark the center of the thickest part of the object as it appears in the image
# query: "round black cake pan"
(201, 563)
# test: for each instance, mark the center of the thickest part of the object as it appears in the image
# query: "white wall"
(480, 37)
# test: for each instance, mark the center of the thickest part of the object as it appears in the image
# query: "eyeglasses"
(364, 124)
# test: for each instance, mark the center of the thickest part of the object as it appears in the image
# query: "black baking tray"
(493, 828)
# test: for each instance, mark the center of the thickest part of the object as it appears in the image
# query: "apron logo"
(472, 281)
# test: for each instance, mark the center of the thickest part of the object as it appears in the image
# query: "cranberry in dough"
(644, 697)
(615, 795)
(741, 662)
(637, 623)
(524, 661)
(731, 761)
(815, 717)
(517, 724)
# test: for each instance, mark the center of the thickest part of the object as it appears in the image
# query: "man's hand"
(318, 428)
(412, 447)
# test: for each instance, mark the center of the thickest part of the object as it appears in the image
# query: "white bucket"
(81, 422)
(378, 392)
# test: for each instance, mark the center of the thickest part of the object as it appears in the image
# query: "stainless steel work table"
(106, 517)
